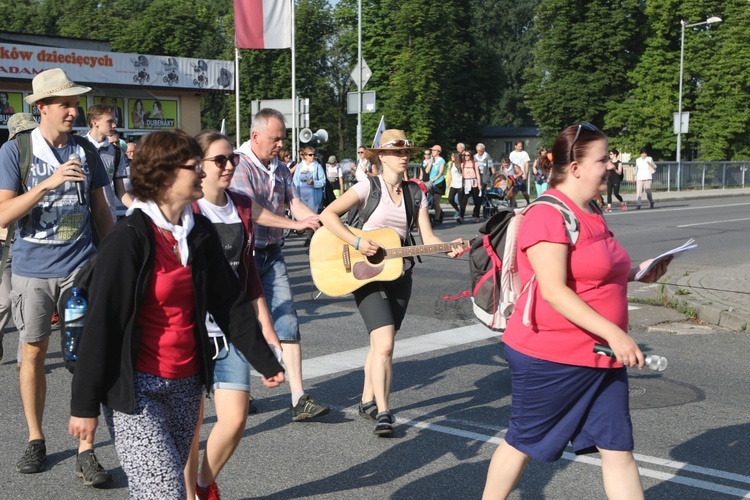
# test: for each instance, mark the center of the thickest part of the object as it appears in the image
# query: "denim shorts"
(231, 369)
(555, 404)
(275, 279)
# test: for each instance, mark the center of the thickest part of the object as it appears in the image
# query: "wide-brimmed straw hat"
(391, 140)
(54, 83)
(20, 122)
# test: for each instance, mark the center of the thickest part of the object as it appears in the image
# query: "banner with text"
(114, 68)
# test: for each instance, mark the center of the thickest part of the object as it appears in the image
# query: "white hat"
(53, 83)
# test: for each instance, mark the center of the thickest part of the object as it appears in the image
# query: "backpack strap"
(370, 205)
(412, 203)
(91, 156)
(23, 142)
(118, 156)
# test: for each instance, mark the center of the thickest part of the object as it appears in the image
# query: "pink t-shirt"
(598, 268)
(387, 214)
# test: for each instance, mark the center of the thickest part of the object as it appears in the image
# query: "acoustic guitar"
(338, 269)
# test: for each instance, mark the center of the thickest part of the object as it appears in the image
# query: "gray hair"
(263, 116)
(480, 145)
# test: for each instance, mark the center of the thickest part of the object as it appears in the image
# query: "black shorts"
(384, 303)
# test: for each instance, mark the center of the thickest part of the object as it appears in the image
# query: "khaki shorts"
(34, 300)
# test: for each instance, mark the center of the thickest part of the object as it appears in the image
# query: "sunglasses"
(307, 154)
(197, 168)
(360, 152)
(467, 156)
(396, 143)
(221, 160)
(581, 126)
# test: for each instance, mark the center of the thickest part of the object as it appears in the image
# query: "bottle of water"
(653, 362)
(75, 317)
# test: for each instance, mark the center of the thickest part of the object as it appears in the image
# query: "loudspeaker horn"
(305, 135)
(321, 135)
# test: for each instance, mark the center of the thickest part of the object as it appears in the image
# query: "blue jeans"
(275, 280)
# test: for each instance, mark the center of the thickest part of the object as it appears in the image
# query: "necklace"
(396, 187)
(173, 248)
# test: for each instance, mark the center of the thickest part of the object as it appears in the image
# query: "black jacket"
(109, 345)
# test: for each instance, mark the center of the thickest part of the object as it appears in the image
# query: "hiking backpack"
(495, 283)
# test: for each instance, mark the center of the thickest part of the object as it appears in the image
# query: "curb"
(708, 311)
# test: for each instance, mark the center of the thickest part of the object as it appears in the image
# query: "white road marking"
(592, 460)
(713, 222)
(354, 359)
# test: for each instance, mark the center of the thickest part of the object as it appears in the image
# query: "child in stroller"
(497, 195)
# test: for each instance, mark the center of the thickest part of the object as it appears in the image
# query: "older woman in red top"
(562, 392)
(145, 355)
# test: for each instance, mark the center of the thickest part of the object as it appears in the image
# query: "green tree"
(583, 46)
(715, 87)
(504, 40)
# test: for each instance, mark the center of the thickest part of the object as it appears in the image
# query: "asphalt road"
(450, 394)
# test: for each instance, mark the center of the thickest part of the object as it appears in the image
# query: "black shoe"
(33, 459)
(307, 407)
(91, 471)
(368, 410)
(638, 207)
(384, 424)
(251, 408)
(1, 349)
(652, 205)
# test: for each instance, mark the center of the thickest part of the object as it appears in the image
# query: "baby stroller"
(496, 196)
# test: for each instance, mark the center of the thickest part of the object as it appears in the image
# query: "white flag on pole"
(381, 129)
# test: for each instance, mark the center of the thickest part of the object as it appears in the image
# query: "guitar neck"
(411, 251)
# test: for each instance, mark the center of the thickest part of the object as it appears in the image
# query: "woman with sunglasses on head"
(561, 391)
(383, 304)
(471, 185)
(145, 354)
(232, 214)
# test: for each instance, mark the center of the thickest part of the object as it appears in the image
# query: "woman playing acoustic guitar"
(383, 304)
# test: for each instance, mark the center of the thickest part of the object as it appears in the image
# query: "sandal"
(368, 410)
(384, 424)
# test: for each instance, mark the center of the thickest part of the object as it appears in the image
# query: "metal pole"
(237, 95)
(359, 60)
(295, 110)
(679, 104)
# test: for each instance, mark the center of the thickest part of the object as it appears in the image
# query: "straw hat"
(391, 140)
(53, 83)
(20, 122)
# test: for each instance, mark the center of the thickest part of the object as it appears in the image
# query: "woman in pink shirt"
(562, 392)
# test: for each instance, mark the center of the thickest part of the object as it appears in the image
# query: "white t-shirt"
(333, 170)
(362, 168)
(520, 158)
(456, 179)
(228, 216)
(642, 173)
(387, 214)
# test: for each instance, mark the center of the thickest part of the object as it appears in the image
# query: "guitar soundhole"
(377, 258)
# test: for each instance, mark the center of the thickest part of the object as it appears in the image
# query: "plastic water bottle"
(653, 362)
(75, 318)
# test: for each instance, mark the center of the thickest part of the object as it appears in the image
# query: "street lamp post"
(710, 20)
